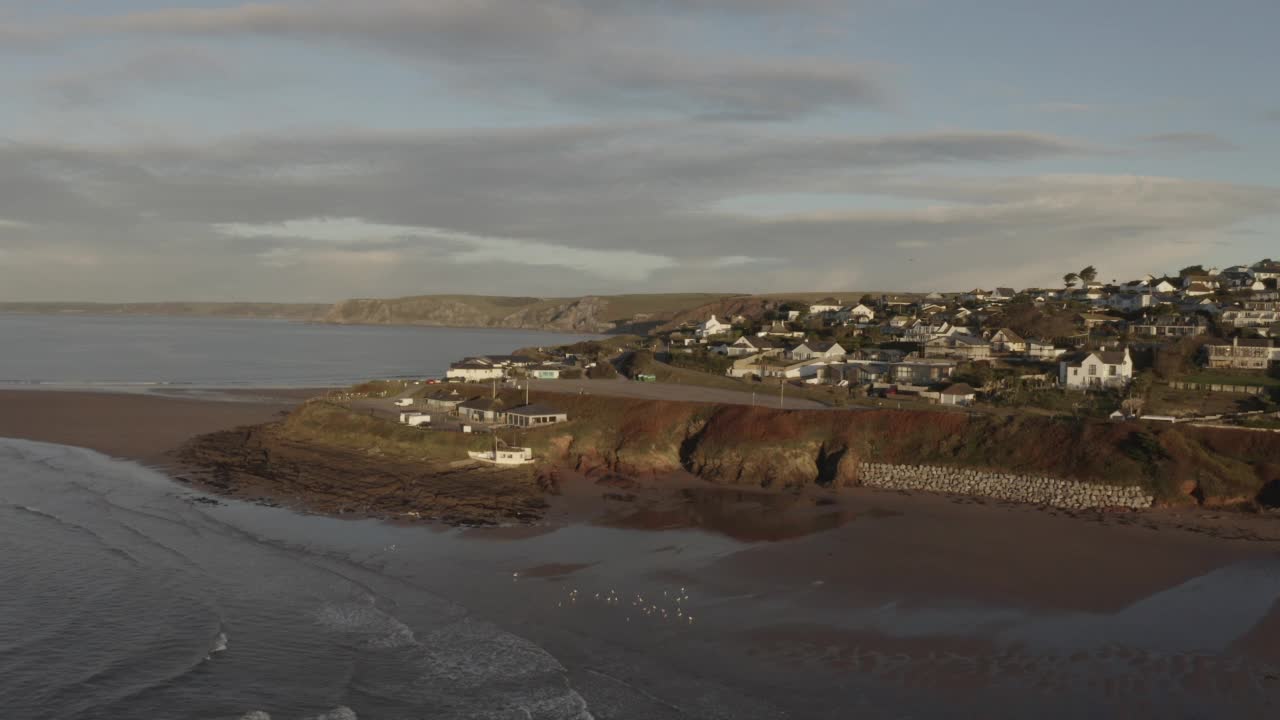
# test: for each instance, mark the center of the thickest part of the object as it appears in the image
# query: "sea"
(125, 595)
(121, 352)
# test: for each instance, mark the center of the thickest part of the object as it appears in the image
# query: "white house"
(1096, 370)
(1131, 302)
(753, 346)
(1005, 340)
(825, 305)
(414, 419)
(712, 327)
(958, 394)
(861, 313)
(471, 371)
(812, 350)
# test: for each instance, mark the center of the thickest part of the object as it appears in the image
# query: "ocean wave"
(381, 630)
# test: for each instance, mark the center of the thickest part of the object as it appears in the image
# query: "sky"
(314, 151)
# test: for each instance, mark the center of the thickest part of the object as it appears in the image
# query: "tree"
(1070, 279)
(1191, 270)
(1088, 274)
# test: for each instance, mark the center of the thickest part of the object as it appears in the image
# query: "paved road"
(767, 397)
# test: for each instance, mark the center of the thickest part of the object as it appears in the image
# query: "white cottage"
(1096, 370)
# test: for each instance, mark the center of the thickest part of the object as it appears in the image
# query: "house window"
(1111, 370)
(1093, 369)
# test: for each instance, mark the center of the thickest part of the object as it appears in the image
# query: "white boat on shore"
(503, 456)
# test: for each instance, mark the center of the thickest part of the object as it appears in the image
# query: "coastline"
(803, 599)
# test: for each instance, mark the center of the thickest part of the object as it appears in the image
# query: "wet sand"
(144, 427)
(820, 602)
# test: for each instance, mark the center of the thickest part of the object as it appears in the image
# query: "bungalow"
(1096, 370)
(1040, 350)
(975, 295)
(957, 345)
(546, 372)
(1131, 302)
(474, 371)
(1197, 289)
(1002, 294)
(712, 327)
(825, 305)
(813, 350)
(1093, 320)
(486, 410)
(1209, 282)
(446, 400)
(922, 371)
(860, 313)
(805, 369)
(958, 394)
(503, 360)
(535, 415)
(753, 346)
(1007, 341)
(1265, 270)
(1240, 354)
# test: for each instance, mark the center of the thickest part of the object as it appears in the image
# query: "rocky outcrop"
(266, 462)
(1014, 487)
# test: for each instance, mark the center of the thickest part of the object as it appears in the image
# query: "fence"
(1215, 387)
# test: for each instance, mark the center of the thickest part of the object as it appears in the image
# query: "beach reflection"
(743, 515)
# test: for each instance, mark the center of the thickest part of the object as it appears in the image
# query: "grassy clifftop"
(759, 446)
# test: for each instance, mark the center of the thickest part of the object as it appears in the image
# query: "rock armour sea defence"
(1034, 489)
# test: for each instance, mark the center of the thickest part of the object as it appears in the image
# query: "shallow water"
(124, 594)
(121, 600)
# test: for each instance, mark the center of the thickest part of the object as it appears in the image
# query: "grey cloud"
(1191, 142)
(173, 70)
(585, 53)
(653, 188)
(557, 183)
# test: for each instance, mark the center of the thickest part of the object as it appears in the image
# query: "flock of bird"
(671, 607)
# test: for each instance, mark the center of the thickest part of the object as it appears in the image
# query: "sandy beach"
(815, 600)
(144, 427)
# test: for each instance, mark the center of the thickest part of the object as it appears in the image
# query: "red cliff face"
(775, 448)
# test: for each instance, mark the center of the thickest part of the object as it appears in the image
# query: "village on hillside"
(1198, 345)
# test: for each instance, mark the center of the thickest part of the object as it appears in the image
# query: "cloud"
(1191, 142)
(603, 57)
(172, 70)
(604, 207)
(1065, 107)
(354, 235)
